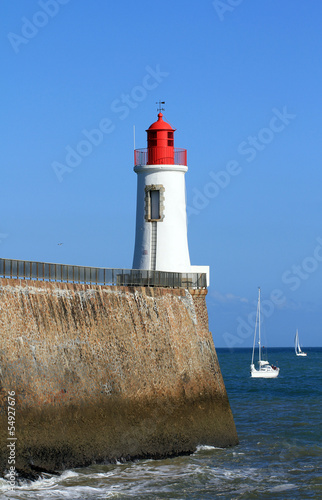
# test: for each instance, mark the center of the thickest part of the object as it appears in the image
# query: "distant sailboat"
(298, 350)
(265, 370)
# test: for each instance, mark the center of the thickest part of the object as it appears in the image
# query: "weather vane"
(160, 108)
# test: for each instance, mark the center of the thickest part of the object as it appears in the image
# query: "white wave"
(68, 473)
(46, 482)
(205, 447)
(282, 487)
(72, 493)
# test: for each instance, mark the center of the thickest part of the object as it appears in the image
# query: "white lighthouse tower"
(161, 241)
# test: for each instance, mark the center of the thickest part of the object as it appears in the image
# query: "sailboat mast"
(259, 325)
(255, 335)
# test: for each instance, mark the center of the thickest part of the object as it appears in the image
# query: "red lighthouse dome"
(160, 150)
(160, 142)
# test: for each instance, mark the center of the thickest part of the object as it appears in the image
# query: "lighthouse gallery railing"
(141, 156)
(45, 271)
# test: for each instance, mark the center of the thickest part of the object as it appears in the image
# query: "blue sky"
(242, 83)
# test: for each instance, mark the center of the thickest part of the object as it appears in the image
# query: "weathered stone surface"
(107, 373)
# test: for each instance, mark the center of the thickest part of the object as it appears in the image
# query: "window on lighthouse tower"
(155, 204)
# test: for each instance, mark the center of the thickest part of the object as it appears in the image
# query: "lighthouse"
(161, 241)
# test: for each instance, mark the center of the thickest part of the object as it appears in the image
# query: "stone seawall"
(107, 373)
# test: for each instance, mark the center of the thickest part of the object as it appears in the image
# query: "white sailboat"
(264, 370)
(298, 350)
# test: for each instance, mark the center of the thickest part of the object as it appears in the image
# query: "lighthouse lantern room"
(161, 241)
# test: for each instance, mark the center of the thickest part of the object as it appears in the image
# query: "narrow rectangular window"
(155, 204)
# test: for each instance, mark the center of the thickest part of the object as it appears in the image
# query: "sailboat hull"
(266, 371)
(264, 374)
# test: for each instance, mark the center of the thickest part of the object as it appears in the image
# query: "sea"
(279, 455)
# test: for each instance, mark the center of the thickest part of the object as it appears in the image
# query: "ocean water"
(279, 456)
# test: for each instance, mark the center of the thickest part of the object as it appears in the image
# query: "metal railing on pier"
(45, 271)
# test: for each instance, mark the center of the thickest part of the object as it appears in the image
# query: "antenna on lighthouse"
(160, 108)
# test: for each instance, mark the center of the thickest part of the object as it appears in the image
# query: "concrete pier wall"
(107, 373)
